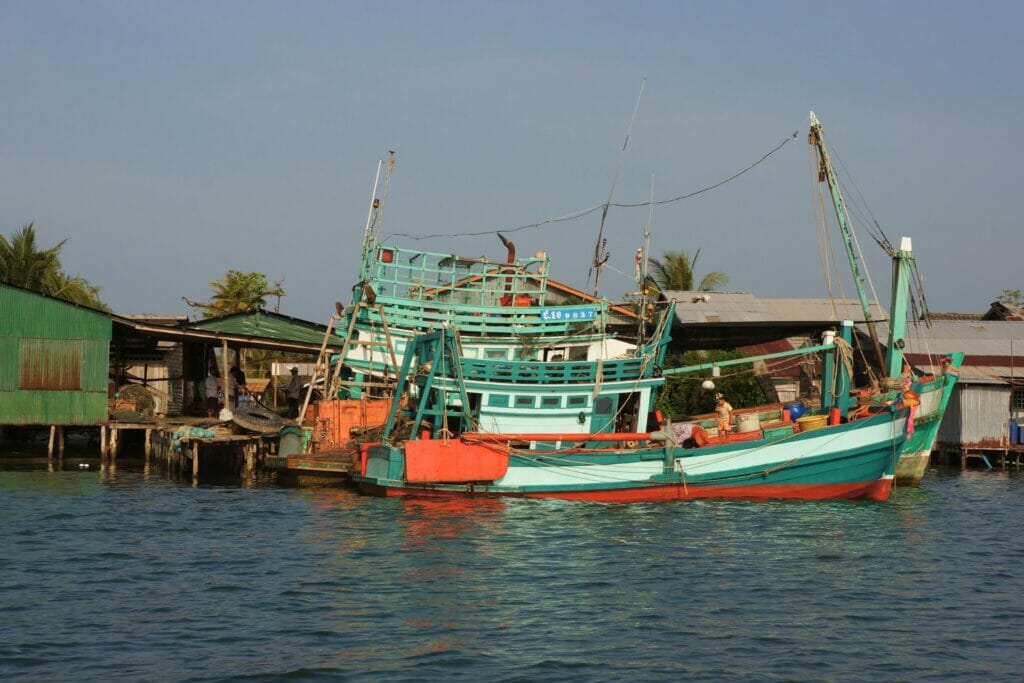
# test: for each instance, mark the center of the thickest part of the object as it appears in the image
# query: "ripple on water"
(128, 576)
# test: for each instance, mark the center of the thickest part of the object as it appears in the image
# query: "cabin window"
(524, 401)
(551, 402)
(496, 354)
(576, 402)
(498, 400)
(577, 353)
(1018, 398)
(603, 405)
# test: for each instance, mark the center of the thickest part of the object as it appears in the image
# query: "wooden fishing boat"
(431, 446)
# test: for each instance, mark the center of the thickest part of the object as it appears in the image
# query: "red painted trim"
(596, 436)
(872, 490)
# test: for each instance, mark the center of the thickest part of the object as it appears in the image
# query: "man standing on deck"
(723, 412)
(292, 391)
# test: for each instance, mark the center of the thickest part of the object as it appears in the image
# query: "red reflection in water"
(426, 519)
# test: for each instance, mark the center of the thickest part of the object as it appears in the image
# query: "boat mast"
(901, 264)
(368, 230)
(827, 174)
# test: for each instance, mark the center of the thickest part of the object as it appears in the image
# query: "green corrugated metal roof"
(265, 324)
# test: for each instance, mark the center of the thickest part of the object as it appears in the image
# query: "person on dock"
(211, 385)
(292, 391)
(723, 413)
(237, 383)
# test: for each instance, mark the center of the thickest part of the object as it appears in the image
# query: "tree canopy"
(238, 292)
(1014, 297)
(676, 270)
(25, 264)
(683, 395)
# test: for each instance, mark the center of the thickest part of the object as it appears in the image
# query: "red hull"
(873, 490)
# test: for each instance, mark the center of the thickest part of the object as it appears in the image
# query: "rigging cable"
(586, 212)
(600, 257)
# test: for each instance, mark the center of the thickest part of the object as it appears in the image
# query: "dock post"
(103, 442)
(195, 462)
(53, 438)
(60, 441)
(115, 438)
(250, 457)
(149, 442)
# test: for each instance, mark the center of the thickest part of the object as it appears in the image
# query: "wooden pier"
(988, 458)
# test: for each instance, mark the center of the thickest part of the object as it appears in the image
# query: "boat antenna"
(643, 255)
(600, 254)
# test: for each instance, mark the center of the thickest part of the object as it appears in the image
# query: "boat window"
(576, 401)
(577, 353)
(603, 405)
(551, 402)
(524, 401)
(497, 400)
(496, 354)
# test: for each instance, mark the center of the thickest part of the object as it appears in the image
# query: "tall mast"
(901, 264)
(368, 230)
(827, 174)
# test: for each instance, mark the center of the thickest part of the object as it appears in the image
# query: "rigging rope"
(586, 212)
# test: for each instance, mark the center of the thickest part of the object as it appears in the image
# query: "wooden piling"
(149, 443)
(53, 439)
(60, 441)
(103, 442)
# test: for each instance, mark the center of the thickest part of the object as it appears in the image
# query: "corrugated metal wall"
(977, 415)
(54, 360)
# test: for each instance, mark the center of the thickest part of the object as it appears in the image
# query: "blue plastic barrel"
(796, 410)
(1014, 432)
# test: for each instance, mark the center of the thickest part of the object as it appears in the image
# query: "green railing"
(584, 372)
(479, 320)
(448, 278)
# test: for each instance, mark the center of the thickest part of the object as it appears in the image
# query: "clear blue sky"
(172, 141)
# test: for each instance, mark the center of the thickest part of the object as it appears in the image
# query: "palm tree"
(675, 271)
(24, 264)
(238, 292)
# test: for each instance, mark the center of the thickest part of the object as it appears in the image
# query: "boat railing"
(494, 320)
(450, 278)
(533, 372)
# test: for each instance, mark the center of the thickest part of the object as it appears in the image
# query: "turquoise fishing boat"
(432, 444)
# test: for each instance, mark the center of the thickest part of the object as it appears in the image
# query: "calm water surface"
(128, 575)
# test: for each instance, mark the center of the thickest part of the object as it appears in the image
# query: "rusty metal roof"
(973, 337)
(744, 307)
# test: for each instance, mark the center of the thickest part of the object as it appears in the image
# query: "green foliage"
(24, 264)
(238, 292)
(683, 395)
(675, 270)
(1014, 297)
